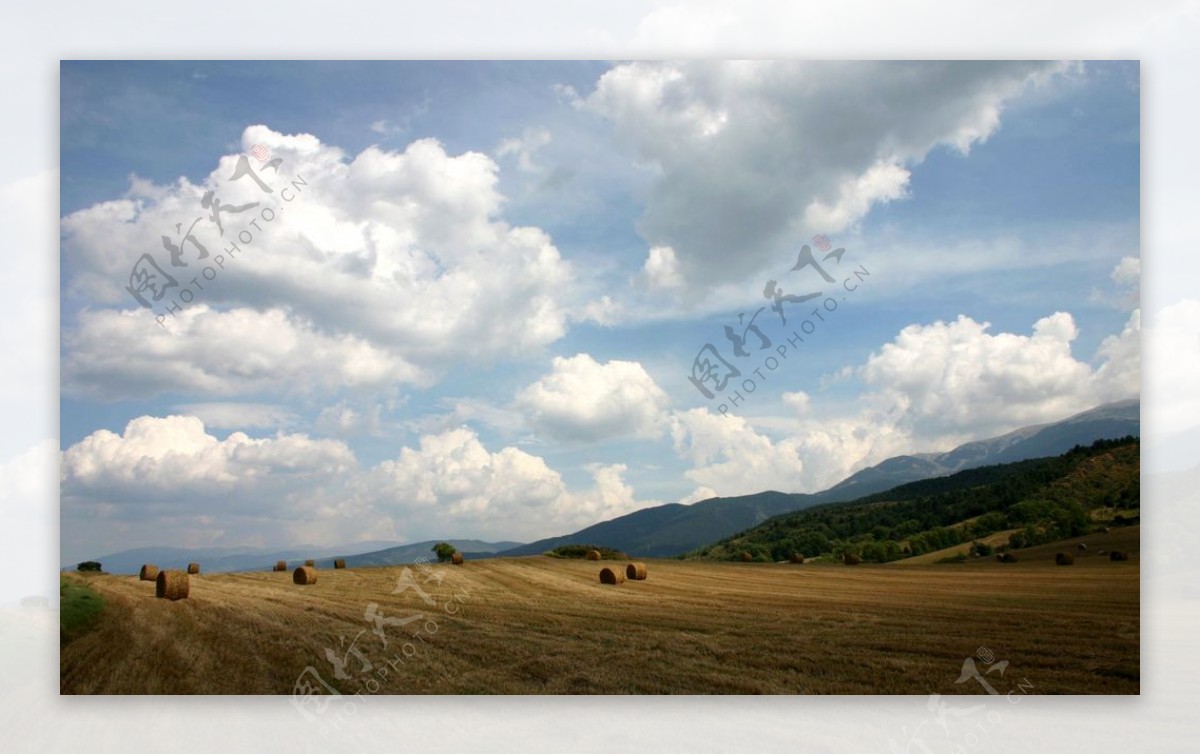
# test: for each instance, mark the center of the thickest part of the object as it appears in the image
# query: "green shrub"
(957, 558)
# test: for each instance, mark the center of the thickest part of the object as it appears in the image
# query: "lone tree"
(88, 566)
(444, 551)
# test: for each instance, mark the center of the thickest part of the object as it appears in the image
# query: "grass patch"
(80, 607)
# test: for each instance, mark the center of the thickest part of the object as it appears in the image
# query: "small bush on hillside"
(982, 549)
(957, 558)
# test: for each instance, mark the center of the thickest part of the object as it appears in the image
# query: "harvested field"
(539, 625)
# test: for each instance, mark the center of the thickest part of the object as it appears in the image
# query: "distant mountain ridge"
(407, 554)
(1115, 420)
(1028, 503)
(673, 528)
(216, 560)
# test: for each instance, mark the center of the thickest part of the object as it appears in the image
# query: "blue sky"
(479, 317)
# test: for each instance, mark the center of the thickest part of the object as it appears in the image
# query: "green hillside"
(1041, 500)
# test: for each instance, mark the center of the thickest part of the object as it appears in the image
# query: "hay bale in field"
(172, 585)
(1064, 559)
(456, 558)
(635, 570)
(593, 555)
(746, 557)
(1007, 558)
(310, 562)
(851, 559)
(193, 568)
(149, 573)
(281, 566)
(609, 576)
(1101, 553)
(1082, 546)
(304, 575)
(797, 558)
(1104, 530)
(339, 563)
(1118, 556)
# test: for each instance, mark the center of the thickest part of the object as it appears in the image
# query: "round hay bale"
(851, 559)
(1118, 556)
(304, 575)
(172, 585)
(635, 570)
(149, 573)
(456, 558)
(1064, 559)
(1008, 558)
(746, 557)
(310, 562)
(339, 563)
(193, 568)
(281, 566)
(609, 576)
(593, 555)
(1082, 546)
(797, 558)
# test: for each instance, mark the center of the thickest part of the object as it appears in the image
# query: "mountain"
(1114, 420)
(407, 554)
(216, 560)
(673, 528)
(1023, 503)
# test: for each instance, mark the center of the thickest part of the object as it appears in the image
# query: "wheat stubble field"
(540, 625)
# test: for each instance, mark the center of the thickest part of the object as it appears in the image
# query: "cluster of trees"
(581, 551)
(1048, 499)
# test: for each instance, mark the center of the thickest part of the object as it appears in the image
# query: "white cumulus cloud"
(168, 481)
(661, 269)
(948, 382)
(524, 148)
(206, 352)
(745, 155)
(582, 399)
(155, 455)
(931, 388)
(387, 253)
(452, 481)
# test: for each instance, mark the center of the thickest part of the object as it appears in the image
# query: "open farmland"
(541, 625)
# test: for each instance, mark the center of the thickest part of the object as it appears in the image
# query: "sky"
(498, 293)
